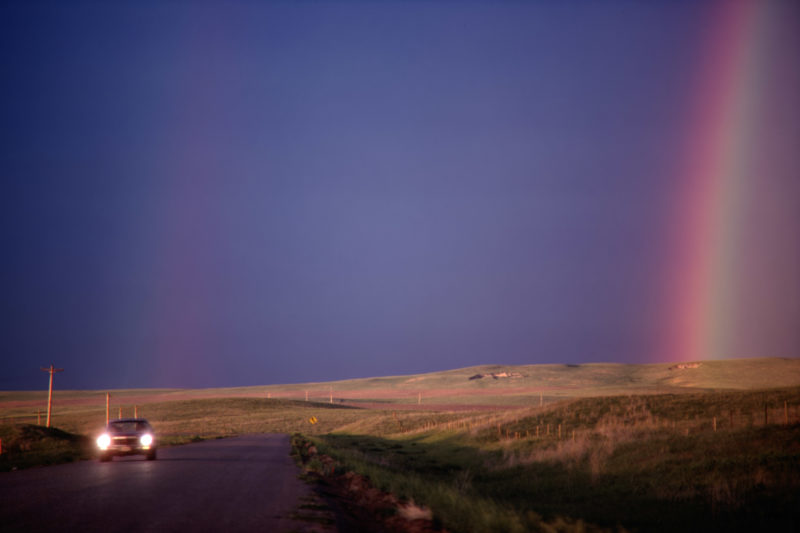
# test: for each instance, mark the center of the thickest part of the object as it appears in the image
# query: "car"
(127, 436)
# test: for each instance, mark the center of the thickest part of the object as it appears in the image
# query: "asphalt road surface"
(240, 484)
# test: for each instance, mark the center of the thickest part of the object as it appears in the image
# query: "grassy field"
(535, 448)
(511, 386)
(648, 463)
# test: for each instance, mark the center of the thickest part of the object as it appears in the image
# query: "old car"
(127, 436)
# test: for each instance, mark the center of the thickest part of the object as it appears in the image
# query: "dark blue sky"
(221, 194)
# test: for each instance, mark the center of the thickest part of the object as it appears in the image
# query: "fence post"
(715, 424)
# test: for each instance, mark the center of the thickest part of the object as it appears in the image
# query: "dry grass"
(642, 462)
(635, 442)
(448, 390)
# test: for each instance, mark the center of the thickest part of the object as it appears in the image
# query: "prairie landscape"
(304, 228)
(705, 446)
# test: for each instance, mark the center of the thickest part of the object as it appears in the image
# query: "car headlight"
(146, 439)
(103, 441)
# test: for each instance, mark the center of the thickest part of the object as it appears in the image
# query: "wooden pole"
(541, 398)
(50, 397)
(52, 370)
(419, 399)
(306, 395)
(715, 424)
(331, 394)
(108, 398)
(120, 413)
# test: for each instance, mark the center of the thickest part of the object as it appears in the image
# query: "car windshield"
(127, 427)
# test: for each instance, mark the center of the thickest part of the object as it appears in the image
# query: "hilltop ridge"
(482, 385)
(567, 380)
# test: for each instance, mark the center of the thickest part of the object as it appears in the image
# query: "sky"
(211, 194)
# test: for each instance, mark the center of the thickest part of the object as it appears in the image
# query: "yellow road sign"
(313, 420)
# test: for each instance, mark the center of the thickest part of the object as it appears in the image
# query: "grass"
(453, 387)
(27, 445)
(633, 447)
(632, 464)
(178, 422)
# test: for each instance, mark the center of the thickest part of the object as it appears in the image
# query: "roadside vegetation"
(26, 445)
(609, 457)
(652, 463)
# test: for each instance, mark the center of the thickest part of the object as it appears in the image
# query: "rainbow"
(713, 183)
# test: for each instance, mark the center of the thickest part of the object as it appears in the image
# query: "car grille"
(125, 441)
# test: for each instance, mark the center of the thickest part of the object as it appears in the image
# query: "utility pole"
(108, 401)
(52, 370)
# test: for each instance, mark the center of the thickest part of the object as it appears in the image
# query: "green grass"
(27, 445)
(648, 463)
(637, 447)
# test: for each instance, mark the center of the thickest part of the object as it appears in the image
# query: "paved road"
(239, 484)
